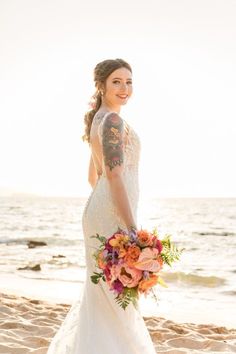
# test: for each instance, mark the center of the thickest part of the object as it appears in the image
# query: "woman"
(96, 324)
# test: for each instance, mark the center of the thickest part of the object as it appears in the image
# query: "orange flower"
(160, 260)
(132, 255)
(122, 252)
(145, 238)
(146, 284)
(100, 260)
(119, 240)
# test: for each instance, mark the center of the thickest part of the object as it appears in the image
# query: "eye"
(118, 82)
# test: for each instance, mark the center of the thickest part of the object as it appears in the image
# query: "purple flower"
(114, 256)
(108, 247)
(118, 286)
(133, 235)
(145, 274)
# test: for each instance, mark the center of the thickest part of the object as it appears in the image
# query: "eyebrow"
(115, 78)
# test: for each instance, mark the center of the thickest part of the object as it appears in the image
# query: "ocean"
(201, 286)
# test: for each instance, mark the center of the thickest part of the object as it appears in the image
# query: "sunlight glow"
(183, 108)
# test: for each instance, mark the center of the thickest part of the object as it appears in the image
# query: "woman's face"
(118, 88)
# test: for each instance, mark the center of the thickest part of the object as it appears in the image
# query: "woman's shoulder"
(109, 118)
(103, 114)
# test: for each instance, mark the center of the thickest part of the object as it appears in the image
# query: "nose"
(124, 87)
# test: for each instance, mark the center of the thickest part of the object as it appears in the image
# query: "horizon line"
(149, 196)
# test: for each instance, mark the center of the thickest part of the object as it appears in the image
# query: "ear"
(101, 87)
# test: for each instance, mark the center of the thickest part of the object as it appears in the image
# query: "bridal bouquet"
(131, 263)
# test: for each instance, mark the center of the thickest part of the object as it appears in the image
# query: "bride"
(96, 324)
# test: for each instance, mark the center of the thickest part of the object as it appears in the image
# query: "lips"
(122, 96)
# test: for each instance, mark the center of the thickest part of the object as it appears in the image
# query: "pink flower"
(93, 102)
(128, 276)
(107, 271)
(150, 260)
(157, 244)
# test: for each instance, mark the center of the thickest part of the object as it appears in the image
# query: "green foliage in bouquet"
(96, 277)
(170, 253)
(129, 295)
(102, 239)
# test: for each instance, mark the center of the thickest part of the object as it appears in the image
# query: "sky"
(183, 57)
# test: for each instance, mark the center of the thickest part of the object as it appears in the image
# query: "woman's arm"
(113, 154)
(92, 173)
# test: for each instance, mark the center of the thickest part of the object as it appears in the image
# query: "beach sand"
(27, 326)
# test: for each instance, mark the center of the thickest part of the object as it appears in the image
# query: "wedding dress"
(96, 324)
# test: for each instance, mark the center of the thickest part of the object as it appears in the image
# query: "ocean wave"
(15, 207)
(232, 217)
(193, 249)
(20, 240)
(213, 233)
(51, 241)
(194, 279)
(45, 277)
(8, 240)
(229, 292)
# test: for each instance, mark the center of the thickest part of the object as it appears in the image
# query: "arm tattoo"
(112, 141)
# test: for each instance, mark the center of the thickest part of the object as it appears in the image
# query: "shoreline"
(171, 307)
(28, 325)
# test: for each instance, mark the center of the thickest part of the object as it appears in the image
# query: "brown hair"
(101, 72)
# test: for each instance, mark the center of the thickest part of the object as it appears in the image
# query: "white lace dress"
(96, 324)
